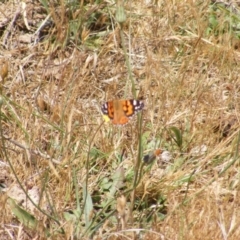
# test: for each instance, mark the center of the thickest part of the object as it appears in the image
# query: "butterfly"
(149, 158)
(119, 111)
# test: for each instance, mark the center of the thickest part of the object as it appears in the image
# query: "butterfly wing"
(108, 109)
(132, 106)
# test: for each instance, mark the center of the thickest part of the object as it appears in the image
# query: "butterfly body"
(119, 111)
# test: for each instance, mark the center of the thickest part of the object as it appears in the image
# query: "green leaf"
(177, 136)
(23, 216)
(88, 208)
(118, 181)
(45, 4)
(105, 184)
(71, 216)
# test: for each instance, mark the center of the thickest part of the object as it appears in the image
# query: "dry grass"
(184, 59)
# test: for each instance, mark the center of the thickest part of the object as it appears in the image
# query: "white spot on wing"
(135, 102)
(138, 105)
(104, 108)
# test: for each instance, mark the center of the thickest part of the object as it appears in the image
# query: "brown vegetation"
(67, 174)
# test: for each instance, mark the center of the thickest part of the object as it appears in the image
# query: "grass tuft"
(171, 172)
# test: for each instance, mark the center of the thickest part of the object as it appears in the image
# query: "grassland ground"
(66, 173)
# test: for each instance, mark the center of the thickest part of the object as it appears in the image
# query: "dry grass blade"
(61, 61)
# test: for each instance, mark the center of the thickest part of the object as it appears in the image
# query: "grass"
(65, 173)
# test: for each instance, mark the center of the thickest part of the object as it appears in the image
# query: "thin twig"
(32, 151)
(10, 26)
